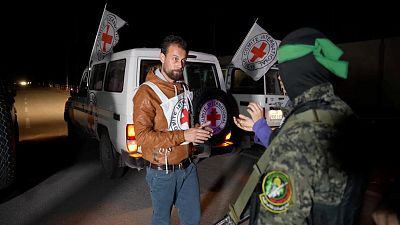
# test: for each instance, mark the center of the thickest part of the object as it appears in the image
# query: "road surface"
(63, 183)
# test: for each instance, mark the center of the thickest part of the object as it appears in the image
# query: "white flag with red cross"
(257, 53)
(107, 36)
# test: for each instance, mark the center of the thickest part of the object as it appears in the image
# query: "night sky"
(49, 42)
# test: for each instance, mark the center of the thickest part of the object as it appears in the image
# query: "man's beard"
(174, 74)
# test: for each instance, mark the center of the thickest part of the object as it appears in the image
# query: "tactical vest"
(321, 214)
(348, 210)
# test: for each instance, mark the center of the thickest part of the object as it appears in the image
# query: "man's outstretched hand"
(199, 134)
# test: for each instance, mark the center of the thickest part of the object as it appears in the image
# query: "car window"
(145, 66)
(197, 75)
(241, 83)
(96, 77)
(114, 80)
(201, 75)
(273, 85)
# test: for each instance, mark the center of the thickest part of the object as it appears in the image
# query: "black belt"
(181, 166)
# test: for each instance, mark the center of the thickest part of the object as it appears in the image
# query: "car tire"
(217, 102)
(7, 146)
(110, 159)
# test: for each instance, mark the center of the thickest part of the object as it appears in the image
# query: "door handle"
(116, 117)
(244, 103)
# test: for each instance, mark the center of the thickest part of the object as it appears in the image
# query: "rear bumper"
(133, 162)
(223, 148)
(209, 149)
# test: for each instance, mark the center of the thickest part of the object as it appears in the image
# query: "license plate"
(275, 114)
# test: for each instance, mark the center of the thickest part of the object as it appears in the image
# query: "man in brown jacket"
(161, 117)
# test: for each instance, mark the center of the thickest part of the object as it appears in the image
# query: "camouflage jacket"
(301, 170)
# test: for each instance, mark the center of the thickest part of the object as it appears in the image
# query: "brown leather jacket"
(151, 126)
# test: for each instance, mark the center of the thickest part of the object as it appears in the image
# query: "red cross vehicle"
(267, 91)
(102, 108)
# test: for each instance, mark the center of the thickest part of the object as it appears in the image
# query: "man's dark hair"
(173, 39)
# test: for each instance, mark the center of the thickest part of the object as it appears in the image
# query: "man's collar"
(158, 73)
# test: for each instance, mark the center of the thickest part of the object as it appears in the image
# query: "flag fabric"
(107, 36)
(257, 53)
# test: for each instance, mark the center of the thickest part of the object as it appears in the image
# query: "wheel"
(211, 104)
(7, 146)
(110, 159)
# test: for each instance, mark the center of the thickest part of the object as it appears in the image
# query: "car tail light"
(228, 136)
(227, 142)
(131, 142)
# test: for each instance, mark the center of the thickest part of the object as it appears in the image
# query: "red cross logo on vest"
(106, 38)
(213, 117)
(185, 116)
(258, 52)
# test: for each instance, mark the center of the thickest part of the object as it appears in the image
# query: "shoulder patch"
(276, 192)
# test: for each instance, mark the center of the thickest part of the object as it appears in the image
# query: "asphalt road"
(59, 182)
(62, 182)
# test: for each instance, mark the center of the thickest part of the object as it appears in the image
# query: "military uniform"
(301, 172)
(305, 175)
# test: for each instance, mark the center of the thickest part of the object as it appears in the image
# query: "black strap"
(316, 104)
(254, 204)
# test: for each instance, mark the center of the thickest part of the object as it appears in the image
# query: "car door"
(79, 101)
(267, 91)
(96, 81)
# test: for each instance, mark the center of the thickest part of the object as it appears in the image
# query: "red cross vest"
(176, 109)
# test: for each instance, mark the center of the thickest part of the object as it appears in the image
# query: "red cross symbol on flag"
(213, 117)
(185, 116)
(106, 38)
(258, 52)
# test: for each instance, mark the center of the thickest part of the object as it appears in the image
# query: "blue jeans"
(179, 188)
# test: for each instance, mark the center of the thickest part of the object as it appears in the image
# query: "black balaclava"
(303, 73)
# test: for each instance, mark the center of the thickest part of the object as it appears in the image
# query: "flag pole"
(95, 39)
(240, 47)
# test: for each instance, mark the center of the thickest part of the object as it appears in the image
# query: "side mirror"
(73, 91)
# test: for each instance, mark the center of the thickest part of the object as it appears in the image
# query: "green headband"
(325, 52)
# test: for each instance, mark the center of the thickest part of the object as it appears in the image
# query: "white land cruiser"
(267, 91)
(103, 108)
